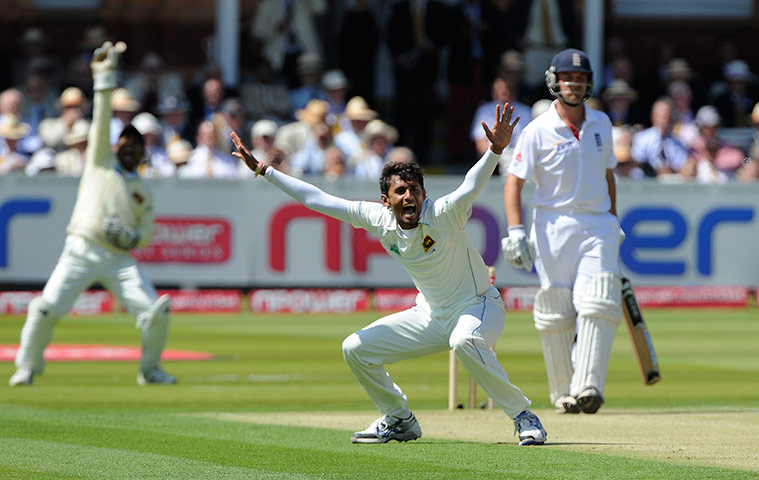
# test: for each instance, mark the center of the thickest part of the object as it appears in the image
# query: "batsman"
(456, 307)
(574, 242)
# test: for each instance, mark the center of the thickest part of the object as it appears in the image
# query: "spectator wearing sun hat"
(52, 131)
(378, 139)
(124, 107)
(178, 153)
(619, 102)
(359, 115)
(13, 130)
(70, 162)
(292, 137)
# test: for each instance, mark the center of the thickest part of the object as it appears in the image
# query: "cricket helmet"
(569, 60)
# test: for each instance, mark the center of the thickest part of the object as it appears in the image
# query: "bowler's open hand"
(244, 154)
(500, 136)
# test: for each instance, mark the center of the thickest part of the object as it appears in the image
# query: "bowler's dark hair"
(405, 171)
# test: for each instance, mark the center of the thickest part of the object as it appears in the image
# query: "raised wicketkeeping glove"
(105, 59)
(517, 249)
(120, 235)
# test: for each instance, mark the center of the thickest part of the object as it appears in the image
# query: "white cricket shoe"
(388, 428)
(155, 375)
(590, 400)
(530, 429)
(567, 404)
(23, 376)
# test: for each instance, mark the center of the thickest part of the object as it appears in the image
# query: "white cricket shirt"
(106, 190)
(567, 171)
(443, 263)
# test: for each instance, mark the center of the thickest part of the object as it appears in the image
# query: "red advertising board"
(394, 299)
(204, 300)
(188, 240)
(89, 303)
(309, 301)
(692, 296)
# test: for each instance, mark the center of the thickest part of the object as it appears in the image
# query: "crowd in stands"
(306, 116)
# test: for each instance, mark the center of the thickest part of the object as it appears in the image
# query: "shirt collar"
(124, 173)
(558, 122)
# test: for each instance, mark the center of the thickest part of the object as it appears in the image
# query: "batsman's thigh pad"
(555, 316)
(600, 314)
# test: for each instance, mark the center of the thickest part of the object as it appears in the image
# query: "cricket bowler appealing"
(567, 151)
(112, 215)
(456, 307)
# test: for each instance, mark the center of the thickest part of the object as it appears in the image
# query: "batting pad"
(600, 315)
(154, 327)
(36, 334)
(555, 316)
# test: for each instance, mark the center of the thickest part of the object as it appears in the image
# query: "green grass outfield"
(278, 402)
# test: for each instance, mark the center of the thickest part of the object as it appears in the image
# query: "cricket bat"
(641, 339)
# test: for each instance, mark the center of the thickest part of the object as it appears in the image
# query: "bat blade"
(639, 335)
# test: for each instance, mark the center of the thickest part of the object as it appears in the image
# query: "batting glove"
(104, 62)
(517, 249)
(120, 235)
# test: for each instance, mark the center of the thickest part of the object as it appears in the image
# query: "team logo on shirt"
(518, 157)
(599, 143)
(137, 197)
(394, 248)
(427, 243)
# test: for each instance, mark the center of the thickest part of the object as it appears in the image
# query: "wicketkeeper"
(113, 214)
(456, 308)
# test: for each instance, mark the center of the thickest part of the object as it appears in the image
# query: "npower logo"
(188, 240)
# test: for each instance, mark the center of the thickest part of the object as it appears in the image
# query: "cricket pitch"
(727, 438)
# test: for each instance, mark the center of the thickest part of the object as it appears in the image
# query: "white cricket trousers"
(412, 333)
(574, 247)
(81, 264)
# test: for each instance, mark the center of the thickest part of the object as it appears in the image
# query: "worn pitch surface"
(726, 438)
